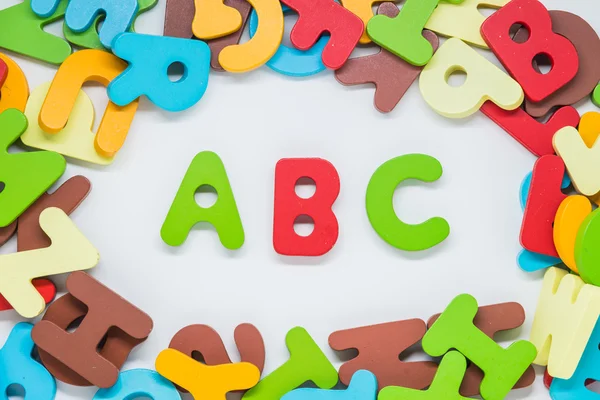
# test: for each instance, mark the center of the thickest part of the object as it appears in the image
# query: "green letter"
(206, 169)
(380, 208)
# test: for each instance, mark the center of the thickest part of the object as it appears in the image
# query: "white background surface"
(252, 121)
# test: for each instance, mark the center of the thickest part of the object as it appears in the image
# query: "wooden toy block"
(587, 43)
(178, 23)
(214, 19)
(81, 67)
(517, 58)
(529, 261)
(569, 218)
(149, 58)
(44, 8)
(21, 31)
(70, 251)
(587, 256)
(137, 383)
(24, 176)
(454, 329)
(257, 51)
(15, 90)
(75, 140)
(380, 210)
(67, 197)
(462, 20)
(19, 368)
(566, 313)
(45, 288)
(544, 198)
(363, 386)
(491, 320)
(484, 82)
(289, 60)
(402, 35)
(193, 375)
(89, 38)
(535, 136)
(575, 387)
(119, 15)
(206, 169)
(316, 17)
(582, 162)
(589, 128)
(65, 353)
(288, 207)
(379, 348)
(307, 363)
(445, 385)
(391, 75)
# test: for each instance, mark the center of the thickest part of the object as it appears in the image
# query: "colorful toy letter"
(139, 383)
(89, 38)
(380, 210)
(70, 251)
(263, 45)
(206, 169)
(24, 176)
(569, 218)
(291, 61)
(484, 82)
(517, 58)
(544, 198)
(587, 256)
(82, 14)
(203, 339)
(445, 385)
(193, 375)
(21, 31)
(17, 367)
(75, 140)
(529, 261)
(391, 75)
(65, 353)
(15, 90)
(363, 386)
(213, 19)
(81, 67)
(44, 8)
(289, 207)
(379, 349)
(67, 198)
(535, 136)
(587, 43)
(149, 58)
(575, 387)
(319, 16)
(566, 313)
(307, 363)
(454, 329)
(582, 162)
(44, 286)
(491, 320)
(402, 35)
(462, 21)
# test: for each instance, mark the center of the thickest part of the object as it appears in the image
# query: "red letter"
(288, 207)
(543, 201)
(517, 58)
(533, 135)
(318, 16)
